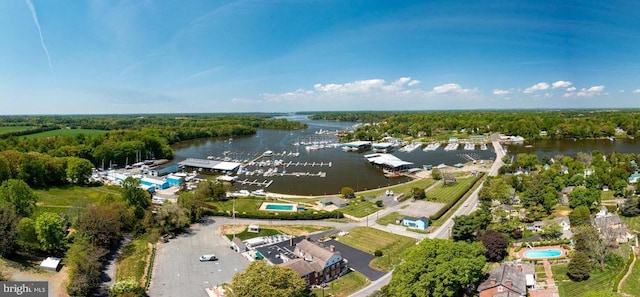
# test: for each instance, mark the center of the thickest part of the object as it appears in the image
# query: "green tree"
(579, 267)
(100, 224)
(468, 227)
(171, 217)
(79, 170)
(192, 204)
(588, 241)
(347, 192)
(84, 263)
(127, 287)
(260, 279)
(585, 196)
(135, 196)
(20, 195)
(8, 226)
(580, 216)
(27, 238)
(50, 231)
(213, 190)
(551, 230)
(436, 174)
(5, 170)
(437, 267)
(495, 189)
(418, 193)
(496, 245)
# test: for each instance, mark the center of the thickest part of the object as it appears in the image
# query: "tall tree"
(579, 267)
(585, 196)
(50, 231)
(192, 204)
(135, 196)
(20, 195)
(437, 267)
(496, 245)
(78, 170)
(8, 225)
(27, 238)
(468, 227)
(100, 224)
(84, 267)
(260, 279)
(495, 189)
(588, 241)
(580, 216)
(5, 170)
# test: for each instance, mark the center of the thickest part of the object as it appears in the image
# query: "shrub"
(377, 253)
(379, 203)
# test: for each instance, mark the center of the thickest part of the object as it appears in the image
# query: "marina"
(432, 146)
(451, 146)
(410, 147)
(469, 146)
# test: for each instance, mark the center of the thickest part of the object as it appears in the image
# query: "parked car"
(208, 258)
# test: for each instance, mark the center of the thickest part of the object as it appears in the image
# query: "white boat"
(483, 146)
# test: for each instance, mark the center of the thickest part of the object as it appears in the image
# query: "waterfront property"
(388, 162)
(209, 165)
(357, 146)
(544, 252)
(285, 207)
(336, 201)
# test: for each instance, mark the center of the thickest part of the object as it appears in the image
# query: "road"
(444, 231)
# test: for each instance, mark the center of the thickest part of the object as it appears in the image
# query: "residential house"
(316, 264)
(420, 223)
(611, 227)
(564, 169)
(337, 201)
(505, 281)
(535, 226)
(633, 178)
(566, 226)
(564, 196)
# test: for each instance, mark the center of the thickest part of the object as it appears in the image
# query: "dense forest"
(558, 124)
(127, 138)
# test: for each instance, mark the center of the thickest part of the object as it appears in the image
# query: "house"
(316, 264)
(238, 245)
(611, 227)
(505, 281)
(566, 226)
(535, 226)
(253, 228)
(564, 196)
(420, 223)
(633, 178)
(337, 201)
(564, 169)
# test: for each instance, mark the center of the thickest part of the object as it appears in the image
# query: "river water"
(347, 168)
(552, 148)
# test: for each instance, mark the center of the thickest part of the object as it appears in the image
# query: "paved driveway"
(358, 260)
(177, 270)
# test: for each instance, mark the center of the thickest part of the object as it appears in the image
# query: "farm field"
(10, 129)
(69, 199)
(67, 132)
(444, 194)
(369, 240)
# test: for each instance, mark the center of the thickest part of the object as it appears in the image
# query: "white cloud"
(568, 95)
(450, 88)
(592, 91)
(400, 83)
(537, 87)
(596, 89)
(571, 89)
(359, 86)
(500, 92)
(636, 91)
(561, 84)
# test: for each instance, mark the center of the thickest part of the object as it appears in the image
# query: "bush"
(379, 203)
(377, 253)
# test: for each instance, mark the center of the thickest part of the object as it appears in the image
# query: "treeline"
(41, 170)
(28, 131)
(131, 138)
(558, 124)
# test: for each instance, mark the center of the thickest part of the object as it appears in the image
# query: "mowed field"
(67, 132)
(444, 194)
(10, 129)
(369, 240)
(69, 199)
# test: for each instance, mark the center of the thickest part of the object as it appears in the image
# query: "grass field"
(607, 195)
(243, 205)
(133, 260)
(388, 219)
(359, 209)
(444, 194)
(369, 240)
(402, 188)
(599, 280)
(244, 235)
(344, 286)
(634, 222)
(631, 285)
(66, 132)
(10, 129)
(69, 199)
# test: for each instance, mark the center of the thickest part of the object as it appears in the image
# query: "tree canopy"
(20, 195)
(437, 267)
(262, 280)
(496, 245)
(50, 231)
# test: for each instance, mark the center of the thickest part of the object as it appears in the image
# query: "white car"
(208, 258)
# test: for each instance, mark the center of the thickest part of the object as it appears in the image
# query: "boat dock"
(451, 146)
(410, 147)
(312, 164)
(469, 146)
(264, 184)
(432, 146)
(469, 157)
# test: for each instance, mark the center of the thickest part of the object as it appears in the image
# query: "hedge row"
(30, 131)
(453, 202)
(279, 216)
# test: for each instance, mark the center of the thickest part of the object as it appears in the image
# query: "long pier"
(312, 164)
(265, 183)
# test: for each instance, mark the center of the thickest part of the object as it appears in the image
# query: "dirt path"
(633, 263)
(57, 280)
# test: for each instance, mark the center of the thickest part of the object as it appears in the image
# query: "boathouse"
(209, 165)
(357, 146)
(388, 162)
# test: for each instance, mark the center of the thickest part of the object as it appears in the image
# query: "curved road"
(443, 231)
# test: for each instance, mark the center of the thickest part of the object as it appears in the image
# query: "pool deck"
(294, 207)
(525, 249)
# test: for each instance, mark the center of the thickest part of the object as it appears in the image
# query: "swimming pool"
(281, 207)
(540, 254)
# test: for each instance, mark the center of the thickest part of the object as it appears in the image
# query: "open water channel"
(347, 168)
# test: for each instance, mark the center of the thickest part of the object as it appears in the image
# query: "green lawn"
(599, 280)
(631, 285)
(244, 235)
(401, 188)
(133, 260)
(10, 129)
(369, 240)
(388, 219)
(634, 222)
(70, 199)
(359, 209)
(607, 195)
(344, 286)
(444, 194)
(67, 132)
(243, 204)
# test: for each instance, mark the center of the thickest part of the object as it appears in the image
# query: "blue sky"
(108, 56)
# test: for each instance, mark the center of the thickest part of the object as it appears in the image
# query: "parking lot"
(177, 270)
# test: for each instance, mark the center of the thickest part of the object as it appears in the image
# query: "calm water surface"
(569, 147)
(348, 168)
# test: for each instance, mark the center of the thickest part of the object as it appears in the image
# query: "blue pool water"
(539, 254)
(287, 207)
